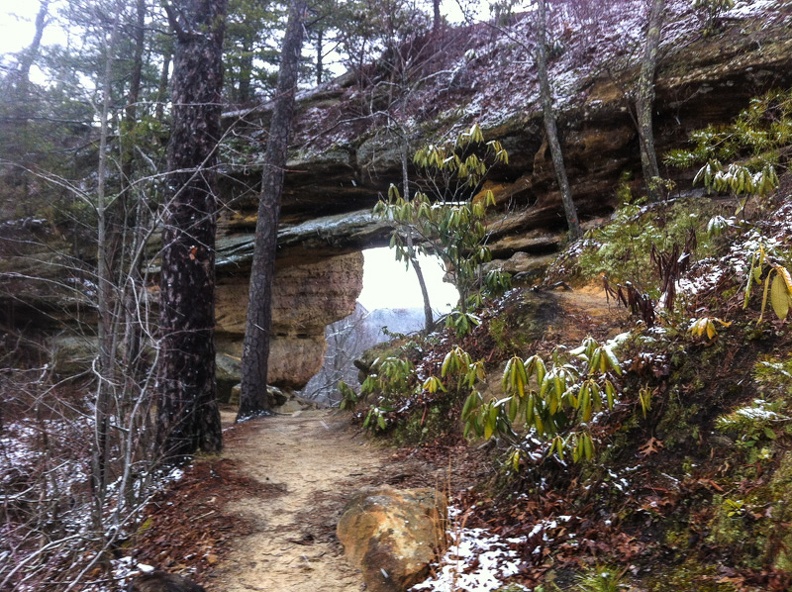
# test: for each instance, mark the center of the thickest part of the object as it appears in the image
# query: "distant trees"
(250, 53)
(18, 109)
(351, 34)
(346, 340)
(29, 55)
(188, 418)
(374, 29)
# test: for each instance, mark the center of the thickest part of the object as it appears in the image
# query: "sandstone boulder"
(393, 535)
(72, 354)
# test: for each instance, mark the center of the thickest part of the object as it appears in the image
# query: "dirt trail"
(309, 462)
(314, 461)
(588, 311)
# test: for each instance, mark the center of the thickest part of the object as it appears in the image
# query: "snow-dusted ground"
(476, 561)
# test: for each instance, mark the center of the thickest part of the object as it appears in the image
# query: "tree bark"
(130, 110)
(644, 102)
(319, 56)
(245, 94)
(551, 128)
(188, 417)
(254, 400)
(162, 90)
(106, 365)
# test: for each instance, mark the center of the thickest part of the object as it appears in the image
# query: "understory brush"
(54, 531)
(672, 440)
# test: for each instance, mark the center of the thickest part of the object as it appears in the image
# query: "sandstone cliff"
(350, 136)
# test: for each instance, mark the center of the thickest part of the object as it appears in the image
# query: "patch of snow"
(618, 482)
(619, 339)
(748, 8)
(478, 561)
(124, 569)
(708, 277)
(759, 411)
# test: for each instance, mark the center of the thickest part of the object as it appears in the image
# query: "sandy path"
(309, 464)
(315, 460)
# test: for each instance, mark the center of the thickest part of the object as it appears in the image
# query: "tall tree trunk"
(258, 329)
(246, 74)
(550, 123)
(106, 370)
(644, 102)
(188, 417)
(130, 110)
(162, 90)
(416, 265)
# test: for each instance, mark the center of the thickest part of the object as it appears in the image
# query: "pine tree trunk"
(246, 74)
(550, 124)
(319, 56)
(258, 329)
(436, 18)
(162, 89)
(188, 417)
(644, 102)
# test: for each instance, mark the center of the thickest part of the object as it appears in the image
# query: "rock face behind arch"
(346, 153)
(307, 297)
(393, 535)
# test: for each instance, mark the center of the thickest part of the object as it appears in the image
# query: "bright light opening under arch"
(388, 283)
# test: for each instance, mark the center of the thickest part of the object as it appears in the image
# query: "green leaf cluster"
(446, 218)
(754, 427)
(621, 250)
(394, 387)
(349, 398)
(742, 158)
(553, 402)
(777, 283)
(706, 327)
(392, 376)
(601, 579)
